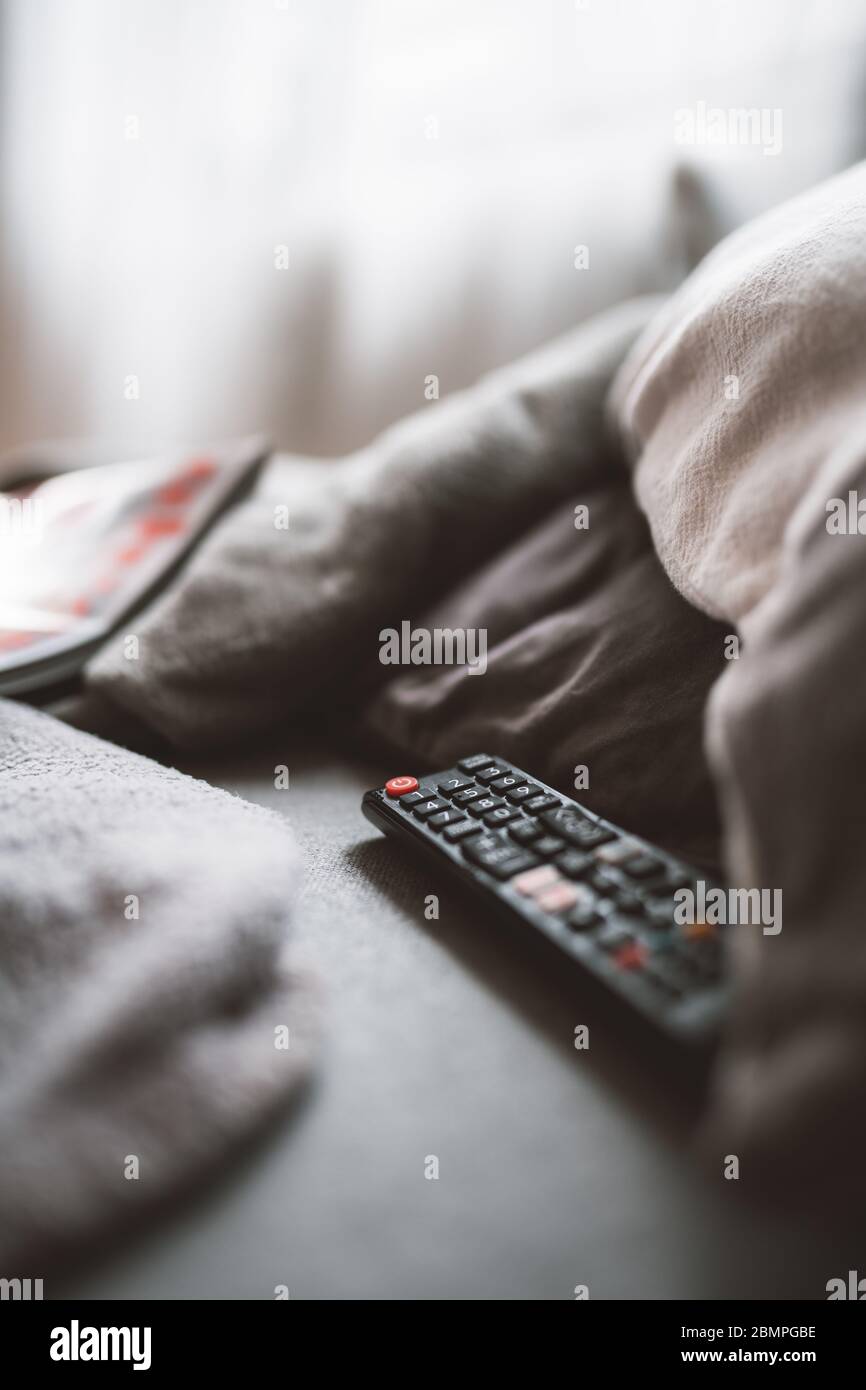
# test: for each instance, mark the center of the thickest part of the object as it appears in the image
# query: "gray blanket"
(145, 980)
(744, 407)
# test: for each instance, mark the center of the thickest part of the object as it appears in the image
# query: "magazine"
(84, 543)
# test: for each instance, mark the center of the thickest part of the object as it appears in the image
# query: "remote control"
(604, 897)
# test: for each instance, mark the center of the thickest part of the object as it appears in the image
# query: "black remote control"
(603, 896)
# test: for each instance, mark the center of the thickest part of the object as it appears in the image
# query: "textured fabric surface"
(744, 382)
(593, 658)
(787, 738)
(594, 661)
(450, 1037)
(738, 493)
(123, 1037)
(265, 620)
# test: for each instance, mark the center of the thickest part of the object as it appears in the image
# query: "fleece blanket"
(150, 1016)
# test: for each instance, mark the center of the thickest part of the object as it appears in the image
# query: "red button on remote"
(399, 786)
(631, 957)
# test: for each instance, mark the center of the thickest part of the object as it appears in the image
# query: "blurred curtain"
(428, 167)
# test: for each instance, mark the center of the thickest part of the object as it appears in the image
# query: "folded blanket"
(143, 978)
(266, 618)
(594, 662)
(753, 499)
(787, 738)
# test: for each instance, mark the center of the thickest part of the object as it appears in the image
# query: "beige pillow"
(741, 386)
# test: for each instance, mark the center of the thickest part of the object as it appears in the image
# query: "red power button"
(399, 786)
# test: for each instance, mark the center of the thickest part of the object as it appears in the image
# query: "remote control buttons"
(575, 828)
(574, 863)
(525, 831)
(425, 809)
(464, 798)
(498, 856)
(614, 935)
(443, 818)
(618, 852)
(549, 891)
(536, 880)
(399, 786)
(483, 805)
(492, 773)
(506, 783)
(631, 957)
(584, 915)
(540, 803)
(558, 898)
(562, 870)
(452, 785)
(643, 866)
(470, 764)
(460, 830)
(548, 845)
(517, 795)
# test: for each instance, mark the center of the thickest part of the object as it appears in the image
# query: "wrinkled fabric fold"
(743, 409)
(787, 741)
(265, 620)
(745, 381)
